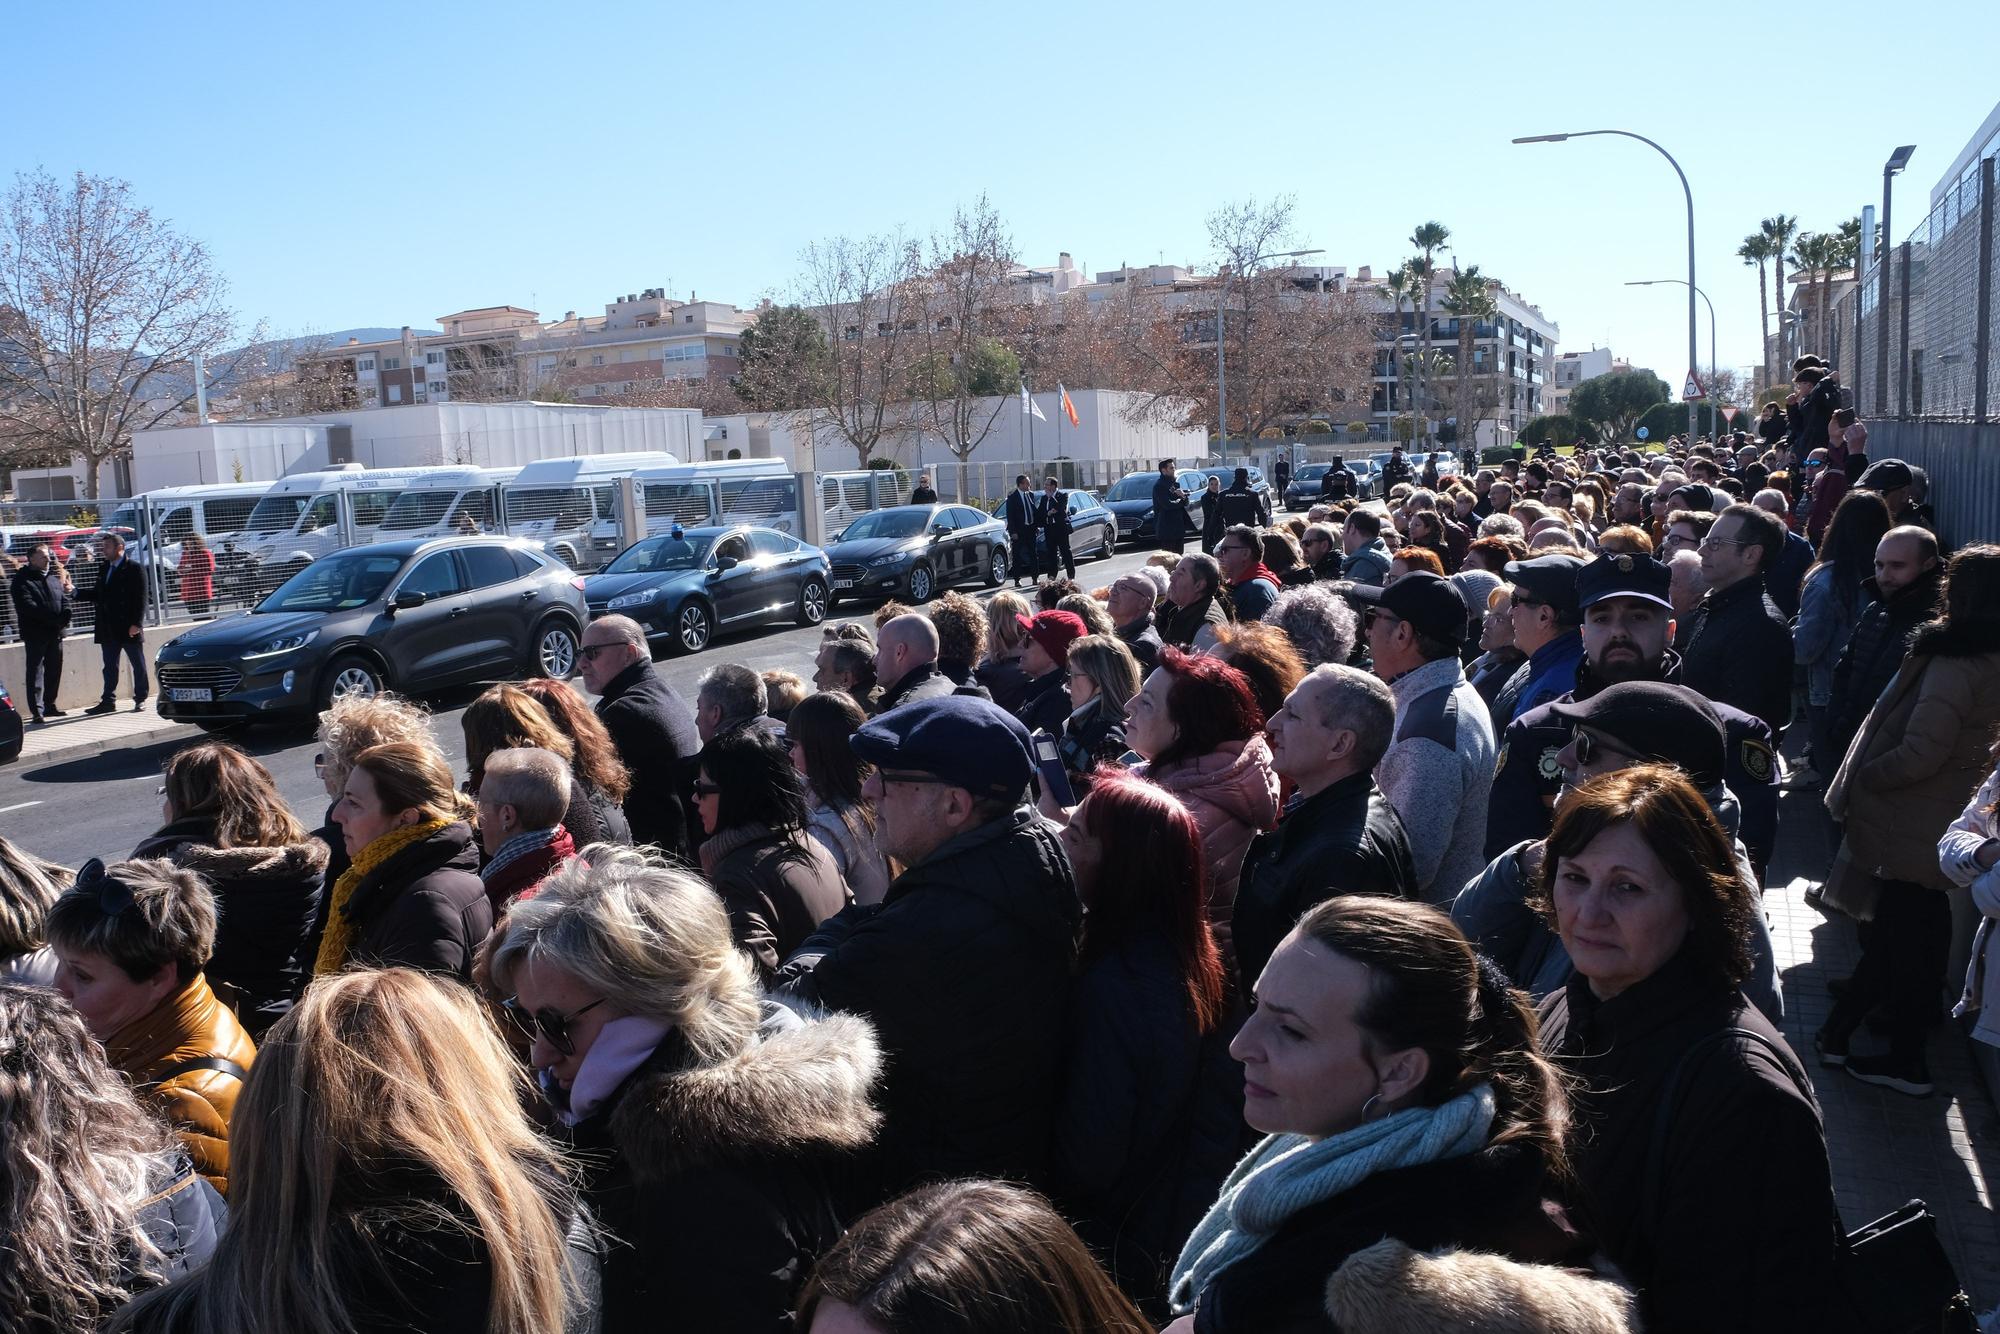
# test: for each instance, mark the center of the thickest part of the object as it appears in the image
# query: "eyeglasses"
(114, 896)
(1713, 541)
(1520, 599)
(1587, 747)
(1374, 614)
(548, 1021)
(912, 779)
(589, 652)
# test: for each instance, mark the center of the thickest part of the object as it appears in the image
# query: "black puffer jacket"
(654, 731)
(266, 899)
(1874, 651)
(964, 969)
(593, 817)
(1046, 706)
(1344, 840)
(1092, 737)
(1735, 1229)
(1739, 652)
(715, 1182)
(424, 908)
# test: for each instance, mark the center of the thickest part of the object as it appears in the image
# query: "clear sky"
(384, 166)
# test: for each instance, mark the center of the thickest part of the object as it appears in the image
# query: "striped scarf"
(339, 931)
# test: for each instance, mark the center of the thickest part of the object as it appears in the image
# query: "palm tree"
(1818, 254)
(1430, 238)
(1756, 248)
(1779, 231)
(1401, 286)
(1468, 298)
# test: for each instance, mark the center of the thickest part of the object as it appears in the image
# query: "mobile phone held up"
(1048, 762)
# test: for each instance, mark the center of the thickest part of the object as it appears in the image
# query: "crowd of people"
(1354, 924)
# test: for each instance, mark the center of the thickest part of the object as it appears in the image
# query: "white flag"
(1028, 404)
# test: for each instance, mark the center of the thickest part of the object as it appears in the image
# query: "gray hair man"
(728, 697)
(524, 793)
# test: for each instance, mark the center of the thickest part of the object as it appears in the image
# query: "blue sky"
(375, 166)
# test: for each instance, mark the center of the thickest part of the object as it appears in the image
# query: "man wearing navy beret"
(964, 965)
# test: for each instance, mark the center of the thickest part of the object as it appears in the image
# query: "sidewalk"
(1886, 1148)
(76, 736)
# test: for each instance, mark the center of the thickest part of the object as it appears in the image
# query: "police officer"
(1627, 623)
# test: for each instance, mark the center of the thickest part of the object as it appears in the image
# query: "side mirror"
(941, 529)
(724, 564)
(409, 599)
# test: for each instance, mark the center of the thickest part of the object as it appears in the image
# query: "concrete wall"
(83, 670)
(1963, 461)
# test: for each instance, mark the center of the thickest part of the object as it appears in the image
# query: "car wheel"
(692, 627)
(555, 650)
(813, 602)
(351, 674)
(922, 584)
(996, 565)
(1105, 543)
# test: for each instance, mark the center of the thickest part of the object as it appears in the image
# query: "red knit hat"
(1054, 631)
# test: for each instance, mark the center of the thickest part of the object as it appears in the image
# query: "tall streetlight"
(1694, 356)
(1655, 282)
(1222, 305)
(1890, 169)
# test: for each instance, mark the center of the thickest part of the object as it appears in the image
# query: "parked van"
(569, 506)
(302, 517)
(160, 520)
(764, 492)
(444, 501)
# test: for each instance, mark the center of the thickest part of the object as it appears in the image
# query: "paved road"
(102, 805)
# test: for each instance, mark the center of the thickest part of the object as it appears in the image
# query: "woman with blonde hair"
(508, 717)
(351, 726)
(1006, 643)
(1103, 677)
(28, 889)
(388, 1180)
(96, 1202)
(714, 1120)
(226, 822)
(411, 894)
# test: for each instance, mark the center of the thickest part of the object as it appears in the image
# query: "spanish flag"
(1069, 408)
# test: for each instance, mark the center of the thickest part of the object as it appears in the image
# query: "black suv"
(414, 615)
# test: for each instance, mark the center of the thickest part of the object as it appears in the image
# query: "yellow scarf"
(339, 931)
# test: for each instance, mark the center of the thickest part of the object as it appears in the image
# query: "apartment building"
(1570, 370)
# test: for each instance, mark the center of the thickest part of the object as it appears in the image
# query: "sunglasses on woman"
(550, 1022)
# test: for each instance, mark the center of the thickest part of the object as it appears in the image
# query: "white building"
(1570, 370)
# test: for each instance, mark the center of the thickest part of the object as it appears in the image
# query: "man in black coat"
(1131, 602)
(42, 610)
(1739, 649)
(120, 598)
(906, 656)
(1054, 518)
(1171, 520)
(1396, 469)
(1339, 834)
(1337, 482)
(1241, 505)
(1905, 593)
(964, 966)
(1627, 619)
(1019, 513)
(1810, 406)
(652, 727)
(923, 493)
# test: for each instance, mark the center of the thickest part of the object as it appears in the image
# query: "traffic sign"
(1643, 433)
(1692, 389)
(1729, 414)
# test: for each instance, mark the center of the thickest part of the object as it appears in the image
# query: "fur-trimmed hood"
(1390, 1289)
(295, 861)
(802, 1086)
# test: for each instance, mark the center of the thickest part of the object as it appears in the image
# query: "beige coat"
(1924, 748)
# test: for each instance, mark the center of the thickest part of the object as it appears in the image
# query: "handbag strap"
(219, 1064)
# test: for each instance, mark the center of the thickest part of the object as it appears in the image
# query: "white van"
(569, 506)
(755, 491)
(444, 501)
(161, 520)
(302, 517)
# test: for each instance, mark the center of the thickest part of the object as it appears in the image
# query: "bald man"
(906, 654)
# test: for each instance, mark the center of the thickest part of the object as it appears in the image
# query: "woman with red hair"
(1197, 725)
(1152, 1118)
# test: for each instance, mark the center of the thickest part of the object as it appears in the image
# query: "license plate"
(191, 695)
(843, 583)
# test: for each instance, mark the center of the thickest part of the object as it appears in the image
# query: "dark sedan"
(911, 551)
(414, 616)
(1130, 501)
(685, 585)
(1093, 529)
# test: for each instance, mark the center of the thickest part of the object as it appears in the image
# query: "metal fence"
(1914, 337)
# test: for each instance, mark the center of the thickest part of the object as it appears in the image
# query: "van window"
(760, 499)
(226, 516)
(684, 501)
(607, 502)
(476, 506)
(567, 506)
(276, 514)
(322, 514)
(370, 507)
(177, 524)
(416, 509)
(487, 566)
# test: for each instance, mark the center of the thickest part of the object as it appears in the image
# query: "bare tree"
(861, 289)
(103, 309)
(965, 371)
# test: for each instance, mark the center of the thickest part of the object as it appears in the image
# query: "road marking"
(21, 807)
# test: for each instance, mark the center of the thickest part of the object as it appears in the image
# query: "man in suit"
(1020, 512)
(651, 727)
(42, 610)
(1055, 530)
(120, 596)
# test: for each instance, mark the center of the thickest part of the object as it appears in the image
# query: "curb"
(82, 749)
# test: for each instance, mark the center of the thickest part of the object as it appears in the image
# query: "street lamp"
(1221, 305)
(1694, 356)
(1654, 282)
(1890, 169)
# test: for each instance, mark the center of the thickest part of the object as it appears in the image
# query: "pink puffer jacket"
(1232, 792)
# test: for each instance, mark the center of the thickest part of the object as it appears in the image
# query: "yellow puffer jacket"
(153, 1051)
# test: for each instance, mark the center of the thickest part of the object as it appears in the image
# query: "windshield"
(887, 523)
(335, 583)
(276, 514)
(418, 509)
(1139, 486)
(125, 516)
(1312, 472)
(657, 555)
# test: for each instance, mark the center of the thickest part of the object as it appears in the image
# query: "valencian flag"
(1069, 408)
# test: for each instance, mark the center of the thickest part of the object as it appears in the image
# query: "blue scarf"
(1288, 1173)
